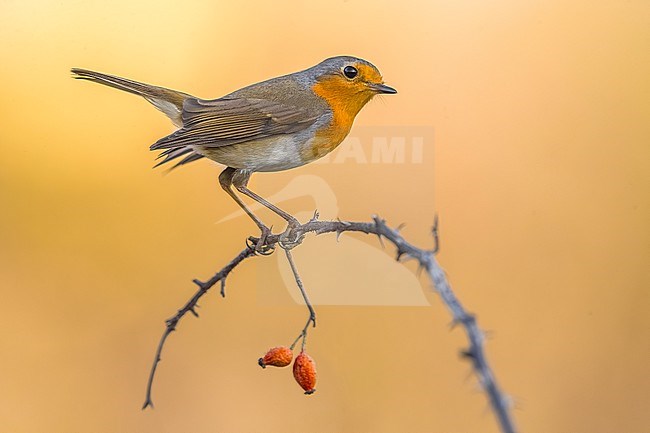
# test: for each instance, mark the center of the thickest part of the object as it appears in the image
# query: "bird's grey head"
(350, 69)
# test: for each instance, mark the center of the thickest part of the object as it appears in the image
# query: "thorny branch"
(475, 353)
(190, 307)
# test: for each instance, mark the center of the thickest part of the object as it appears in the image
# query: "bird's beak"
(382, 88)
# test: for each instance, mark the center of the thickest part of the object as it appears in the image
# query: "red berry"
(277, 357)
(304, 371)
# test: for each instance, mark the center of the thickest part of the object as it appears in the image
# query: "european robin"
(274, 125)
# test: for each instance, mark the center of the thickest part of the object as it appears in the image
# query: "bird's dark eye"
(350, 72)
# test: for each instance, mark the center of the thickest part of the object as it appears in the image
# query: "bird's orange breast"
(345, 100)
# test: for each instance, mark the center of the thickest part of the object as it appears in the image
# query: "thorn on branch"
(434, 233)
(400, 252)
(199, 283)
(345, 223)
(223, 287)
(312, 317)
(193, 311)
(379, 223)
(468, 354)
(381, 241)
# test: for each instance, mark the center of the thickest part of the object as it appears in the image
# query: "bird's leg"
(226, 181)
(241, 184)
(288, 239)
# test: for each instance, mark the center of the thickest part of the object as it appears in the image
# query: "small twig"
(312, 314)
(426, 259)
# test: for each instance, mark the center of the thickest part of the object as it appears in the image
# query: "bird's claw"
(291, 237)
(259, 245)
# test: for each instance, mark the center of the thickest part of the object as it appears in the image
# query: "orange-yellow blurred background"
(541, 112)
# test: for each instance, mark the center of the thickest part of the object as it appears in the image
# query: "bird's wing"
(226, 121)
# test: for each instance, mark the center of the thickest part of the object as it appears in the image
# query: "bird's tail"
(168, 101)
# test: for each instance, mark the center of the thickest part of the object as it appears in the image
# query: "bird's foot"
(292, 237)
(259, 245)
